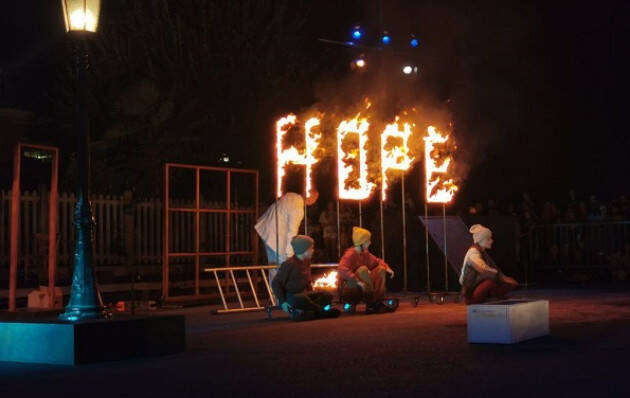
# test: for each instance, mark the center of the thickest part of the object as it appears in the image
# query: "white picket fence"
(109, 232)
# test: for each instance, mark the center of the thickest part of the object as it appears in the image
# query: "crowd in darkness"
(571, 211)
(576, 232)
(573, 233)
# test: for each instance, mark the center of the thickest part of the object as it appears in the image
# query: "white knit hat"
(480, 233)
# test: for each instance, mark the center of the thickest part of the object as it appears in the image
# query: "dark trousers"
(374, 286)
(310, 301)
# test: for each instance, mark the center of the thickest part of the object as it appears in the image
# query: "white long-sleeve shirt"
(290, 213)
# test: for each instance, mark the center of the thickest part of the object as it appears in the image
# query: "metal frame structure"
(15, 220)
(197, 210)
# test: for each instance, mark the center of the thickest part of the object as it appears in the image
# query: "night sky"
(537, 91)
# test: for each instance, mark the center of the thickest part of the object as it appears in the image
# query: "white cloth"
(290, 213)
(474, 259)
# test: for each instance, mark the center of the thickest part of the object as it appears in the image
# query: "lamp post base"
(81, 314)
(45, 340)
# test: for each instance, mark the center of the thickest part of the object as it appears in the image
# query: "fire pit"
(327, 282)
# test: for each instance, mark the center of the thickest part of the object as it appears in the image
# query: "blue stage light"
(385, 39)
(357, 33)
(414, 42)
(347, 306)
(390, 302)
(327, 307)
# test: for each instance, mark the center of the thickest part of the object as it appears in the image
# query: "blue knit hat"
(301, 243)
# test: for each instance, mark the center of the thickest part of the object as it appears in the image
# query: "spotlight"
(407, 69)
(414, 41)
(359, 63)
(385, 39)
(356, 33)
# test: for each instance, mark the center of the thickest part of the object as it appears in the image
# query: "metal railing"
(576, 246)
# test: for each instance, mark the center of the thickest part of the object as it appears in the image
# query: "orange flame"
(439, 188)
(397, 157)
(292, 155)
(328, 281)
(357, 126)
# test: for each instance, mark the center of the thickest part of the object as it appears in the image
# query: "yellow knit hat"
(360, 236)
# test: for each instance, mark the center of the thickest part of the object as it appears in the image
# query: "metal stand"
(404, 234)
(338, 231)
(426, 245)
(382, 229)
(445, 250)
(437, 297)
(305, 216)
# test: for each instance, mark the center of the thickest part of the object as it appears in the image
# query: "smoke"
(381, 94)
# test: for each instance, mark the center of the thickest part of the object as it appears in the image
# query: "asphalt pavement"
(417, 351)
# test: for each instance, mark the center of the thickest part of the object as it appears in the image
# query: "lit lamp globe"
(81, 15)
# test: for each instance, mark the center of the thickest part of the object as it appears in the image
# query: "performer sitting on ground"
(480, 278)
(292, 285)
(362, 274)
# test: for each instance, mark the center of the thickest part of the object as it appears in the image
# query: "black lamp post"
(81, 18)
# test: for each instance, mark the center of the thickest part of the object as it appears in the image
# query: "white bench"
(507, 321)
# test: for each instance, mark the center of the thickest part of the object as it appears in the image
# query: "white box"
(507, 321)
(41, 299)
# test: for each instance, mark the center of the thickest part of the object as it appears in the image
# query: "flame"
(397, 157)
(357, 126)
(328, 281)
(292, 155)
(439, 188)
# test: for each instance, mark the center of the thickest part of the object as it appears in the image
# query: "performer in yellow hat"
(362, 274)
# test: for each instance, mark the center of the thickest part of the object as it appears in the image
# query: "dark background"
(537, 91)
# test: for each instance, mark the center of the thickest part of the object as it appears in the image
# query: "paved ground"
(416, 351)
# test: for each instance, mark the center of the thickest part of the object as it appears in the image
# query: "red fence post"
(165, 241)
(15, 226)
(52, 230)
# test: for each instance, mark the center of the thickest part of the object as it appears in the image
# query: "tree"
(186, 81)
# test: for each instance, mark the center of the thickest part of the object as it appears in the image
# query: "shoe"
(375, 308)
(331, 313)
(301, 315)
(391, 304)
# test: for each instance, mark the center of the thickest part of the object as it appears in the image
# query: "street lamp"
(81, 15)
(81, 19)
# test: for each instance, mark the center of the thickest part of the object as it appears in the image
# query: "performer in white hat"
(480, 278)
